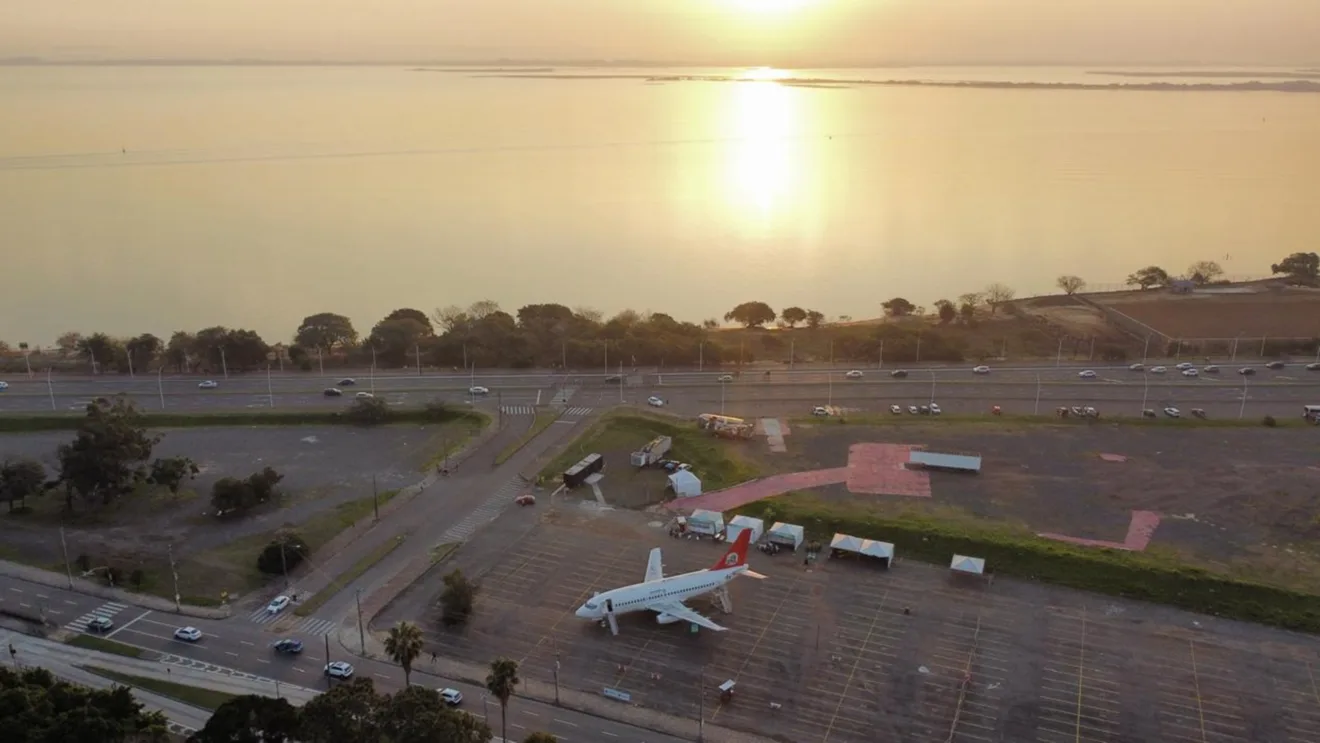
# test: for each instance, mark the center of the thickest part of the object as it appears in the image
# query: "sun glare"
(769, 6)
(764, 158)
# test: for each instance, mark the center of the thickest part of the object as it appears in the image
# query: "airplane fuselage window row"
(662, 594)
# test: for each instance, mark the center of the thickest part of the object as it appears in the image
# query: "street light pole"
(50, 388)
(362, 633)
(1242, 410)
(1146, 349)
(372, 375)
(270, 391)
(1145, 390)
(881, 363)
(178, 604)
(932, 386)
(1058, 357)
(64, 547)
(1036, 410)
(224, 365)
(160, 384)
(320, 362)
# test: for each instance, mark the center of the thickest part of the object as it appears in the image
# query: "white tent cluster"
(865, 547)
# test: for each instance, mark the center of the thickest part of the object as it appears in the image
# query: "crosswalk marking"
(261, 616)
(563, 396)
(107, 610)
(484, 513)
(578, 411)
(317, 627)
(518, 410)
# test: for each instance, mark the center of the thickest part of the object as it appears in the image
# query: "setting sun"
(769, 6)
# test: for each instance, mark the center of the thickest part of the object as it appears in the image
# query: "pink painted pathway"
(754, 490)
(1140, 530)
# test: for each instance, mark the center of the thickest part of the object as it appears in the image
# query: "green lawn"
(196, 696)
(309, 607)
(544, 419)
(451, 440)
(92, 642)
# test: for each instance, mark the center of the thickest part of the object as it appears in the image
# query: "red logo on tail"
(737, 554)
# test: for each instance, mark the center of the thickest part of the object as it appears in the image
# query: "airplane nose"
(582, 612)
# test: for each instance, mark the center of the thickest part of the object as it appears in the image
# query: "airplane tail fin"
(737, 554)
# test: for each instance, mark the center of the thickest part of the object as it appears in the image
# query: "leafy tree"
(171, 472)
(751, 314)
(38, 708)
(395, 340)
(143, 350)
(250, 719)
(347, 712)
(1070, 284)
(967, 312)
(21, 479)
(501, 683)
(286, 551)
(68, 342)
(815, 319)
(180, 348)
(407, 313)
(539, 737)
(457, 599)
(1299, 265)
(245, 350)
(1203, 272)
(232, 495)
(326, 330)
(102, 350)
(793, 315)
(105, 459)
(996, 294)
(1149, 277)
(948, 313)
(368, 411)
(898, 307)
(404, 644)
(209, 347)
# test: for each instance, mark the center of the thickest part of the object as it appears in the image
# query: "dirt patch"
(1231, 500)
(1269, 314)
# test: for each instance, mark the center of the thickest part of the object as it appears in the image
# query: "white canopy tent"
(865, 547)
(968, 565)
(713, 520)
(791, 535)
(738, 523)
(685, 484)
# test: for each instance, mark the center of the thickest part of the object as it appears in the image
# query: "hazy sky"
(784, 32)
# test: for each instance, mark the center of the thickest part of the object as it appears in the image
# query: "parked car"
(854, 374)
(1137, 367)
(1086, 374)
(288, 646)
(820, 410)
(277, 605)
(1190, 373)
(1158, 370)
(924, 409)
(338, 669)
(451, 697)
(1309, 367)
(188, 634)
(896, 410)
(912, 409)
(478, 390)
(209, 384)
(655, 402)
(898, 373)
(1148, 413)
(347, 382)
(333, 392)
(100, 624)
(935, 409)
(1275, 365)
(982, 369)
(1173, 412)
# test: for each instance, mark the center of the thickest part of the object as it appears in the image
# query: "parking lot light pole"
(1145, 390)
(556, 678)
(1145, 351)
(1058, 357)
(270, 391)
(362, 633)
(932, 386)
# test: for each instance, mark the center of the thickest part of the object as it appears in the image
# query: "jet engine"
(663, 618)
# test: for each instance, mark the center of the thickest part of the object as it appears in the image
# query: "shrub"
(137, 577)
(287, 550)
(84, 562)
(368, 411)
(457, 599)
(1269, 422)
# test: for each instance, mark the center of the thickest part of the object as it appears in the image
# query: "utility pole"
(224, 365)
(375, 498)
(373, 370)
(64, 547)
(175, 572)
(160, 384)
(620, 382)
(563, 354)
(284, 563)
(499, 409)
(556, 678)
(1058, 357)
(880, 364)
(362, 633)
(129, 356)
(327, 649)
(417, 352)
(1036, 411)
(1146, 349)
(50, 387)
(1242, 410)
(918, 359)
(701, 356)
(792, 352)
(270, 391)
(320, 363)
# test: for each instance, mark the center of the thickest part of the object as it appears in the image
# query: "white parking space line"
(380, 675)
(25, 606)
(128, 624)
(606, 732)
(235, 655)
(262, 660)
(299, 670)
(16, 590)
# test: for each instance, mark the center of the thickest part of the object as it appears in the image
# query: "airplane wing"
(654, 570)
(678, 609)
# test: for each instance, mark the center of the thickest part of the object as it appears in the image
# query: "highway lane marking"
(260, 660)
(25, 606)
(16, 590)
(42, 596)
(565, 722)
(606, 732)
(245, 642)
(299, 670)
(70, 603)
(128, 624)
(233, 654)
(380, 675)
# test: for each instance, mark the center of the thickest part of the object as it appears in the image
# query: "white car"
(981, 369)
(1137, 367)
(1184, 366)
(1157, 370)
(4, 386)
(278, 605)
(100, 624)
(1212, 369)
(188, 634)
(1173, 412)
(478, 391)
(912, 409)
(209, 384)
(1190, 373)
(726, 378)
(1087, 374)
(820, 410)
(338, 669)
(655, 402)
(1309, 367)
(854, 374)
(364, 395)
(935, 409)
(452, 697)
(896, 410)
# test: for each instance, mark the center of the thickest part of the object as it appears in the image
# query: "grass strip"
(194, 695)
(874, 419)
(309, 607)
(442, 551)
(452, 443)
(1154, 576)
(31, 423)
(544, 419)
(101, 644)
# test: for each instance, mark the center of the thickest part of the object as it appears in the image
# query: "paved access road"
(246, 648)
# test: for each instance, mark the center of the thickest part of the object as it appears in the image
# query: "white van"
(1311, 413)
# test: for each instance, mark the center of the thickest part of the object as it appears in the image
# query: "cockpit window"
(592, 604)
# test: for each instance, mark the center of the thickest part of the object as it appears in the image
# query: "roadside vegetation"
(432, 413)
(101, 644)
(1008, 421)
(365, 563)
(194, 695)
(543, 420)
(1150, 576)
(40, 707)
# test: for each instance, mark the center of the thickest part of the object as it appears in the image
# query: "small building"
(738, 523)
(685, 484)
(926, 460)
(843, 544)
(788, 535)
(1182, 286)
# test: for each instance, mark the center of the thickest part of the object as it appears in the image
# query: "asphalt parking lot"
(835, 650)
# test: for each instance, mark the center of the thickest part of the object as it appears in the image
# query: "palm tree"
(404, 644)
(500, 683)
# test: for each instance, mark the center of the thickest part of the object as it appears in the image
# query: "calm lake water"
(158, 198)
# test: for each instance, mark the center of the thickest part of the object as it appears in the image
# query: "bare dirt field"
(1232, 500)
(851, 652)
(1272, 314)
(328, 472)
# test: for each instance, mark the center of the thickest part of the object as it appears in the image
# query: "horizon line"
(38, 61)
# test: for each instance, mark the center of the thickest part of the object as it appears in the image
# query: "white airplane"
(665, 596)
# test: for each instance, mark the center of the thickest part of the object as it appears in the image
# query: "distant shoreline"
(1242, 75)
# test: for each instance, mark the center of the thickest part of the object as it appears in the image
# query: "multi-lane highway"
(246, 647)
